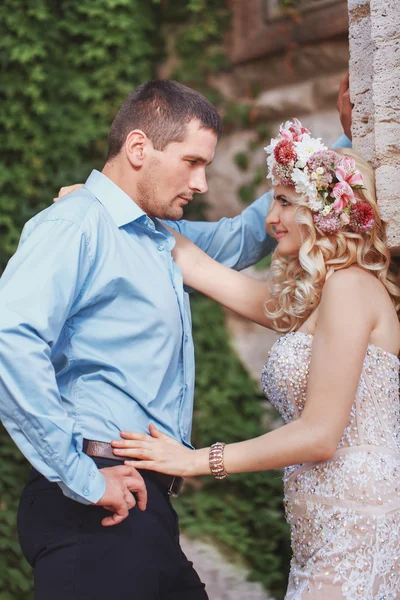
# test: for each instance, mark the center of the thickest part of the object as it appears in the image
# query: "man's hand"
(68, 189)
(344, 105)
(121, 481)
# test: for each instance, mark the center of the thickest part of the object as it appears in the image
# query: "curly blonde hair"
(296, 282)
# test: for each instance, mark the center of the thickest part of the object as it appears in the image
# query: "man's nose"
(198, 182)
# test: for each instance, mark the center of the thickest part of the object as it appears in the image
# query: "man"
(95, 338)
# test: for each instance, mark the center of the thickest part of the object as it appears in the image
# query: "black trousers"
(75, 558)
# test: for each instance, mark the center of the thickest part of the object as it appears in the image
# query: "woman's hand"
(155, 452)
(68, 189)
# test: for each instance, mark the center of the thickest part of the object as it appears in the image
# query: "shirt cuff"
(91, 489)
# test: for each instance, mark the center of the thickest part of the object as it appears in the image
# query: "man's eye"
(192, 162)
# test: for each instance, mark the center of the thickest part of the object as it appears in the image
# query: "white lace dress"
(344, 513)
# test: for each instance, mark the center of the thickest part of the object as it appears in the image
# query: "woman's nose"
(273, 215)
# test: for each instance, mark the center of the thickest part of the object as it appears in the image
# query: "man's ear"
(135, 146)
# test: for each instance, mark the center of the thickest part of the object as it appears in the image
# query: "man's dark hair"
(161, 109)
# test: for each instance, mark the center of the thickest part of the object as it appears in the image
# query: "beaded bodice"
(344, 513)
(375, 414)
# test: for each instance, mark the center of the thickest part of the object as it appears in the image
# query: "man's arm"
(345, 106)
(39, 290)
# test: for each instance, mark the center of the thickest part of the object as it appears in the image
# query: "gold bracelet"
(216, 461)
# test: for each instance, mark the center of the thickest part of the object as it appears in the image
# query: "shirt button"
(86, 491)
(92, 474)
(160, 248)
(186, 337)
(186, 387)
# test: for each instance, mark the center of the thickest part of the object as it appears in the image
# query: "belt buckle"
(175, 487)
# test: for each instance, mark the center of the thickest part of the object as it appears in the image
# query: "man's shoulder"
(76, 208)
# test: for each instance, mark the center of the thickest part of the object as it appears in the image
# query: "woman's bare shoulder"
(361, 291)
(352, 279)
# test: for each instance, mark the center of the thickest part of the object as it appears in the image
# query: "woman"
(333, 376)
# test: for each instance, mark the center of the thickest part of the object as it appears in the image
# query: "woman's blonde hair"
(296, 282)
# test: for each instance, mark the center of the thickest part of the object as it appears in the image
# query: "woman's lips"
(280, 234)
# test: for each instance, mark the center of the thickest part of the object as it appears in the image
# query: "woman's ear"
(135, 145)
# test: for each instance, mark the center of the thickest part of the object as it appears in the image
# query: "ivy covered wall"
(66, 66)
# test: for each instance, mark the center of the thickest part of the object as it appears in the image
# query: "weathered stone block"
(358, 9)
(361, 56)
(388, 186)
(385, 20)
(387, 141)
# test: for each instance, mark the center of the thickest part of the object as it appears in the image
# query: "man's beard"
(147, 201)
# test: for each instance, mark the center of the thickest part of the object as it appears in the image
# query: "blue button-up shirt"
(95, 330)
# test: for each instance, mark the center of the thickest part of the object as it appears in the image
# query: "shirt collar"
(120, 206)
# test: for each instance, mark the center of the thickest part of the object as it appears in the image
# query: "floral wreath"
(326, 179)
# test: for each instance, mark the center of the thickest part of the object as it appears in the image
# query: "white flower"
(270, 162)
(315, 204)
(303, 183)
(320, 170)
(274, 142)
(306, 148)
(328, 209)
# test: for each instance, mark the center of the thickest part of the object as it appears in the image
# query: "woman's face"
(281, 218)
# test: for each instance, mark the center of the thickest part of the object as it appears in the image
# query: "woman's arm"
(344, 325)
(237, 291)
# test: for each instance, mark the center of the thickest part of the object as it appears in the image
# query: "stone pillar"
(374, 36)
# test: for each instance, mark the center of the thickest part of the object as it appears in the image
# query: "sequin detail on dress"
(344, 513)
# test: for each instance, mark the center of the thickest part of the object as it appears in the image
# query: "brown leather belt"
(104, 450)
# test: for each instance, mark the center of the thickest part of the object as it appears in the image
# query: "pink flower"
(287, 135)
(343, 195)
(284, 152)
(361, 217)
(298, 130)
(346, 171)
(327, 224)
(282, 173)
(293, 132)
(326, 160)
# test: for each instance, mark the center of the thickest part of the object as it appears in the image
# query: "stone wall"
(375, 90)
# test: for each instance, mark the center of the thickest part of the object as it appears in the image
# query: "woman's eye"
(285, 203)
